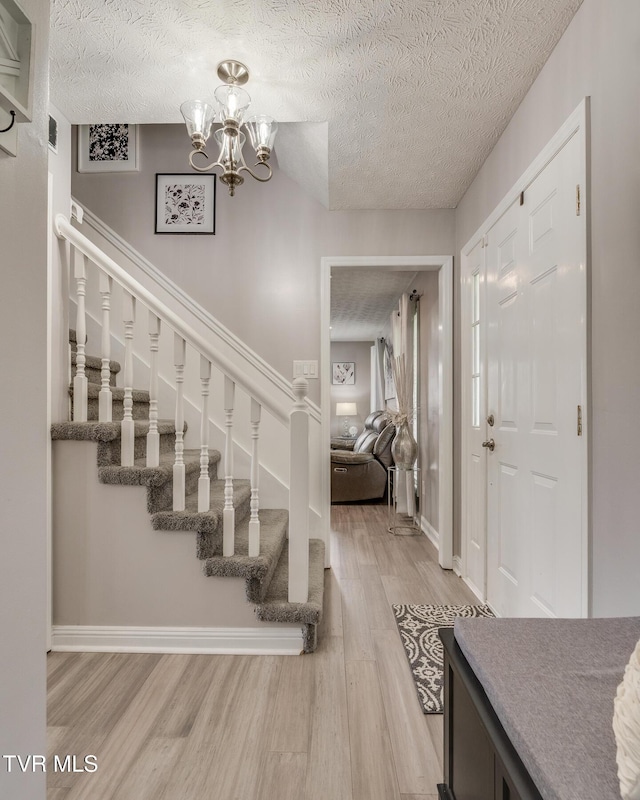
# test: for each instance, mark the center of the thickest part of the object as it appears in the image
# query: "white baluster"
(153, 437)
(254, 521)
(127, 426)
(299, 495)
(229, 513)
(179, 354)
(204, 483)
(80, 383)
(105, 402)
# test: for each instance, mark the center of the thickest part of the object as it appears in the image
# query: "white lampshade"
(346, 409)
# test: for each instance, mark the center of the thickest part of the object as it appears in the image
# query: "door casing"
(443, 265)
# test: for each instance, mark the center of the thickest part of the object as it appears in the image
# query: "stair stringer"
(121, 585)
(272, 383)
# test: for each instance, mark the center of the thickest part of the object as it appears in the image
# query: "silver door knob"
(490, 444)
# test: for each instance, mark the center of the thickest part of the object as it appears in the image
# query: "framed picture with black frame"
(185, 203)
(108, 148)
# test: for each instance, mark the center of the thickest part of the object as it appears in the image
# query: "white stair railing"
(179, 489)
(153, 437)
(80, 382)
(296, 420)
(204, 482)
(105, 402)
(229, 512)
(254, 521)
(299, 494)
(127, 427)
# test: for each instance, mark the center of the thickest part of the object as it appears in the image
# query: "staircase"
(123, 455)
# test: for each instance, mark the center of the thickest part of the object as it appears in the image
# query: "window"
(475, 350)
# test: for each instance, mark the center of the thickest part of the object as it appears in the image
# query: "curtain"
(402, 337)
(377, 376)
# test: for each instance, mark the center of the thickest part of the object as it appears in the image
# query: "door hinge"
(579, 420)
(521, 198)
(578, 200)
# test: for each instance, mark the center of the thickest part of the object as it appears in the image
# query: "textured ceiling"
(362, 301)
(415, 92)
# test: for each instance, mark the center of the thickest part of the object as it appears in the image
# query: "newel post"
(299, 495)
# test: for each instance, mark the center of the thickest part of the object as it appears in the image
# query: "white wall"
(597, 57)
(358, 393)
(60, 172)
(260, 274)
(426, 284)
(23, 410)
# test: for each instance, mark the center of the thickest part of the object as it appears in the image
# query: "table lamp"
(346, 410)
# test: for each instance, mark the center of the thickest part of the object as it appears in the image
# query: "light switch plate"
(305, 369)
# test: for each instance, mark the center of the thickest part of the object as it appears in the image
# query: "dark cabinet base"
(480, 763)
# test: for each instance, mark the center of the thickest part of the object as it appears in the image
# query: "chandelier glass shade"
(231, 104)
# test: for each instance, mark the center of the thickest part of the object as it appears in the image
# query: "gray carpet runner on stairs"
(265, 575)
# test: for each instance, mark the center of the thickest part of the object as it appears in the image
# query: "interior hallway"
(341, 724)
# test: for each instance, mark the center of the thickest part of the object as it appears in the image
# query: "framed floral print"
(185, 203)
(343, 373)
(108, 148)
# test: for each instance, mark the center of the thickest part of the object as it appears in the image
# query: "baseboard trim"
(457, 566)
(431, 533)
(475, 590)
(214, 641)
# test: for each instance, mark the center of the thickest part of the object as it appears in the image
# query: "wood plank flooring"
(341, 724)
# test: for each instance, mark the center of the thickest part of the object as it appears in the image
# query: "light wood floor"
(341, 724)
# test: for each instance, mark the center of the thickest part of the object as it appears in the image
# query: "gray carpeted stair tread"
(207, 521)
(142, 475)
(277, 608)
(73, 336)
(105, 431)
(273, 534)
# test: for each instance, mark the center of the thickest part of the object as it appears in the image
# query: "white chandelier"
(232, 103)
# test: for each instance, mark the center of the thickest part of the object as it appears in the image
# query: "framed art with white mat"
(108, 148)
(185, 203)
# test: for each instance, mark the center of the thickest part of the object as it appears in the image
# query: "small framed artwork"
(344, 373)
(108, 148)
(185, 203)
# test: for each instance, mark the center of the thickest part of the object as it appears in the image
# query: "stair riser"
(257, 590)
(208, 544)
(109, 452)
(140, 409)
(160, 498)
(93, 374)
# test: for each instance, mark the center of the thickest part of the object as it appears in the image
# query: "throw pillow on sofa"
(626, 727)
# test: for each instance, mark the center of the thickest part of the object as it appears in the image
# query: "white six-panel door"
(531, 536)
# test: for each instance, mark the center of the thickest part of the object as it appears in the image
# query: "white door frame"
(443, 265)
(576, 125)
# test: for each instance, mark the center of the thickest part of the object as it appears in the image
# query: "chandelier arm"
(253, 174)
(202, 169)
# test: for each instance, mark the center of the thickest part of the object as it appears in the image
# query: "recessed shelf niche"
(16, 61)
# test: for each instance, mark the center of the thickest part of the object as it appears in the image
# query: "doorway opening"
(441, 531)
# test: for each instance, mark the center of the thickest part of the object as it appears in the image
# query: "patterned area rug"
(418, 627)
